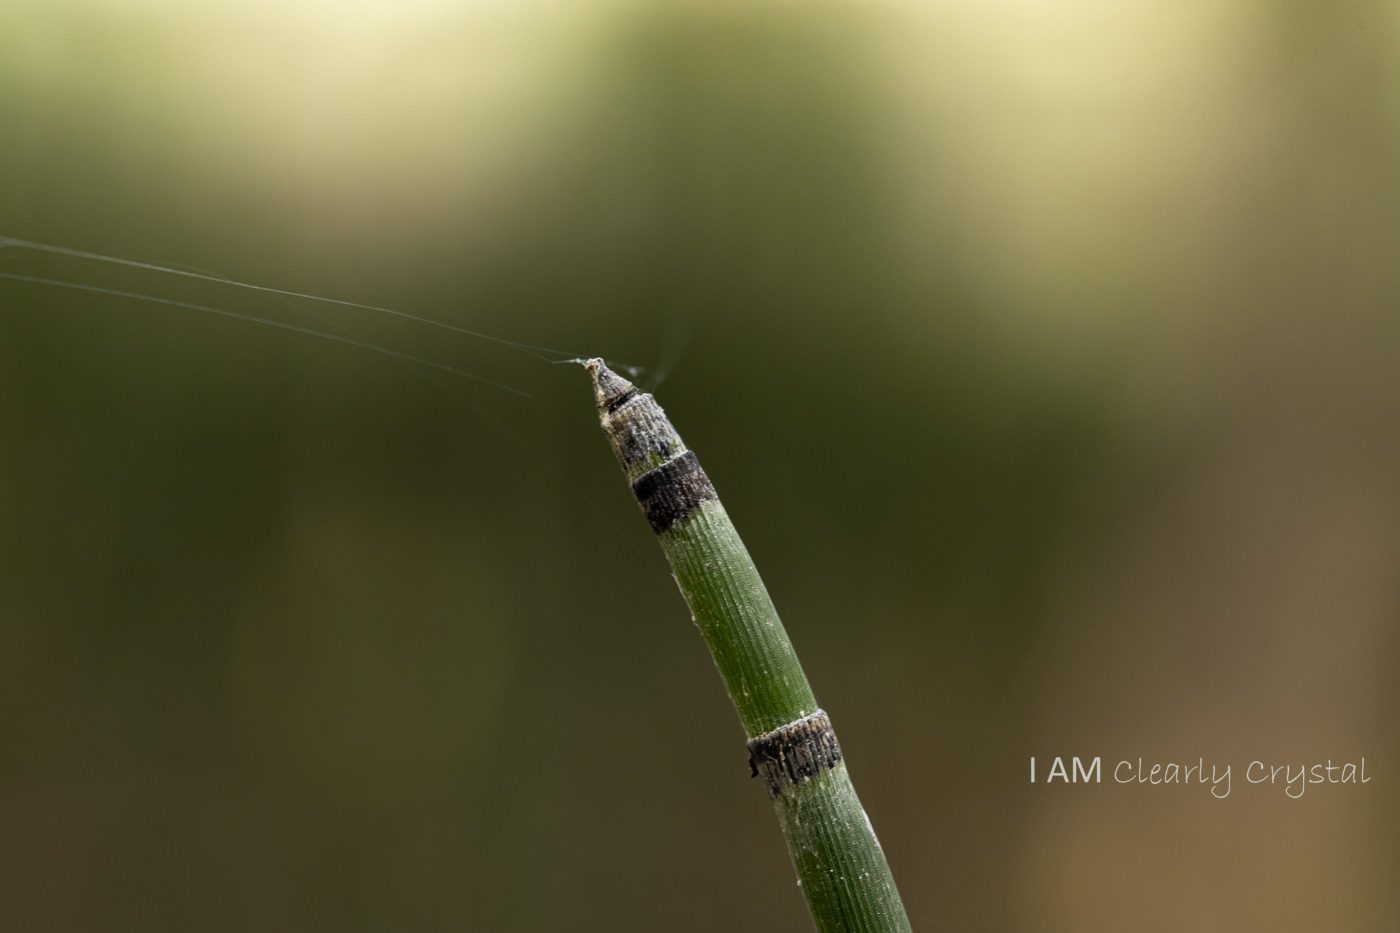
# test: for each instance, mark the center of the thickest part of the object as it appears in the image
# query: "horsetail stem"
(791, 744)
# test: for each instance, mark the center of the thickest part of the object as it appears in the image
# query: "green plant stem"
(792, 747)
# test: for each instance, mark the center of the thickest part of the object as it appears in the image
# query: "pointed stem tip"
(609, 389)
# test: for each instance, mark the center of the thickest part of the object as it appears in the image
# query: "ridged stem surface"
(792, 746)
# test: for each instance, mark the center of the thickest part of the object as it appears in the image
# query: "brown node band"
(620, 399)
(794, 753)
(673, 490)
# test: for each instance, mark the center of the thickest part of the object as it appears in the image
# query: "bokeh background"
(1044, 352)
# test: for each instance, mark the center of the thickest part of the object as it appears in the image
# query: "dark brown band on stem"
(673, 490)
(613, 404)
(793, 753)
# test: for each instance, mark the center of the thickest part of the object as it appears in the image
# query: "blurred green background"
(1044, 352)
